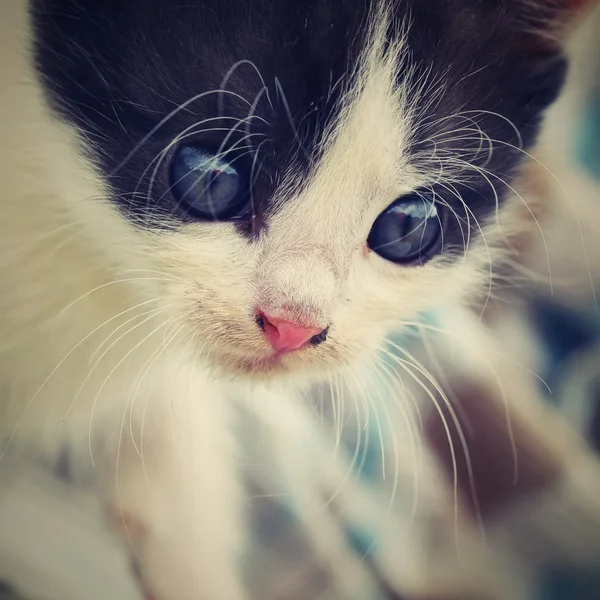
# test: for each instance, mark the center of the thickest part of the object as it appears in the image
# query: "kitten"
(208, 201)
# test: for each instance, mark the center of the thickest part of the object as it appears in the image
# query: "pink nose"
(286, 336)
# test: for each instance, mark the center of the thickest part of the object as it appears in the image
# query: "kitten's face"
(298, 165)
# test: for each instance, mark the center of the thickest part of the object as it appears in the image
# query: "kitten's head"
(305, 175)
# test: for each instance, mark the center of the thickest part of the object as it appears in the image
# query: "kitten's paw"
(130, 528)
(163, 576)
(164, 587)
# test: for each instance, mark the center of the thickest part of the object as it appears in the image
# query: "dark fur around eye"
(135, 76)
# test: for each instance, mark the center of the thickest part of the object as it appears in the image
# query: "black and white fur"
(127, 327)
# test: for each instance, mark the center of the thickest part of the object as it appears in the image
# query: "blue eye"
(207, 186)
(407, 231)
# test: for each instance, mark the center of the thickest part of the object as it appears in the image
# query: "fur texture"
(128, 328)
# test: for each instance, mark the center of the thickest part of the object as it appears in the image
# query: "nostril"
(319, 338)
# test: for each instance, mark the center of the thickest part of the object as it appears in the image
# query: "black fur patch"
(133, 75)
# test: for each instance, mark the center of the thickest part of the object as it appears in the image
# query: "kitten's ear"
(549, 22)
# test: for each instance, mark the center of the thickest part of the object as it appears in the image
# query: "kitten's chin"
(280, 366)
(261, 367)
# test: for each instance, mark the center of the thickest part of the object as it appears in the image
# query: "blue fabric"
(563, 333)
(569, 585)
(588, 144)
(362, 541)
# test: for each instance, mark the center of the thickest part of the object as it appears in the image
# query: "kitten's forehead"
(278, 72)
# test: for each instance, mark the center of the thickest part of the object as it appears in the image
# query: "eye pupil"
(407, 231)
(206, 185)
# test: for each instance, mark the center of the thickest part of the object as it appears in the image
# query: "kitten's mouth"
(270, 365)
(262, 365)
